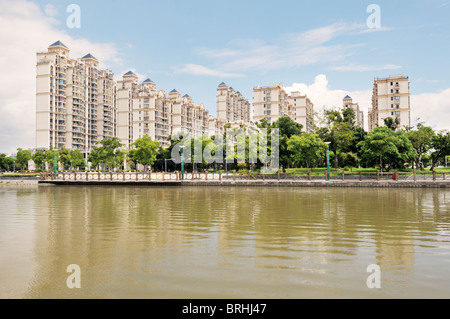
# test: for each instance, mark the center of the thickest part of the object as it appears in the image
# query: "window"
(392, 91)
(397, 113)
(392, 113)
(392, 83)
(392, 106)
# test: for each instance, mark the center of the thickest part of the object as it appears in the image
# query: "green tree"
(50, 157)
(64, 157)
(390, 149)
(107, 153)
(338, 130)
(145, 151)
(38, 158)
(287, 128)
(421, 141)
(22, 158)
(8, 163)
(440, 147)
(95, 157)
(392, 124)
(2, 161)
(307, 149)
(77, 159)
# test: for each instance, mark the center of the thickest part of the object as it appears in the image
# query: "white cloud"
(433, 108)
(381, 29)
(326, 33)
(50, 10)
(299, 49)
(27, 30)
(196, 69)
(323, 96)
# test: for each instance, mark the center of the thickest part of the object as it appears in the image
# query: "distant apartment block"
(78, 105)
(302, 110)
(390, 98)
(359, 115)
(144, 110)
(75, 100)
(231, 105)
(272, 102)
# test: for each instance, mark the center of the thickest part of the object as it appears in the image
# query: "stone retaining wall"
(259, 183)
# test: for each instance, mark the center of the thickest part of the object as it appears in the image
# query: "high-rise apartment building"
(272, 102)
(390, 98)
(144, 110)
(78, 105)
(359, 115)
(302, 110)
(75, 100)
(231, 105)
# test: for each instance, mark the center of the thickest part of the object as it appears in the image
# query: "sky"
(325, 49)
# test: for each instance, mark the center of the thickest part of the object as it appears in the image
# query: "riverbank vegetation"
(385, 148)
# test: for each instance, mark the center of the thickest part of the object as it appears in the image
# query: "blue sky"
(156, 38)
(323, 48)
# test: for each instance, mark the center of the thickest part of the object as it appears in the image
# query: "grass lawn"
(19, 175)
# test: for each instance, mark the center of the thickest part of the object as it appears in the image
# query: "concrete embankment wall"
(378, 184)
(259, 183)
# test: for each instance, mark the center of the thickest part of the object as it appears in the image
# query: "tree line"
(386, 147)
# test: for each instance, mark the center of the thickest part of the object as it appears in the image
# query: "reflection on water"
(211, 242)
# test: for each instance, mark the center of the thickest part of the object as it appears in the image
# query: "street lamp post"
(70, 167)
(55, 166)
(182, 162)
(102, 166)
(328, 160)
(165, 165)
(14, 167)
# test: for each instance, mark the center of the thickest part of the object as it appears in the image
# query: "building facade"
(144, 110)
(231, 105)
(390, 98)
(272, 102)
(359, 115)
(302, 110)
(75, 101)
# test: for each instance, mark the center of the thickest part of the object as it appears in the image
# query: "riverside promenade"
(359, 179)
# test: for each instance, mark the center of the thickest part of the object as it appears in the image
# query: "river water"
(224, 242)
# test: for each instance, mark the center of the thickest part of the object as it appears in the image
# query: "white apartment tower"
(144, 110)
(272, 102)
(302, 110)
(390, 98)
(78, 105)
(231, 105)
(75, 101)
(359, 115)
